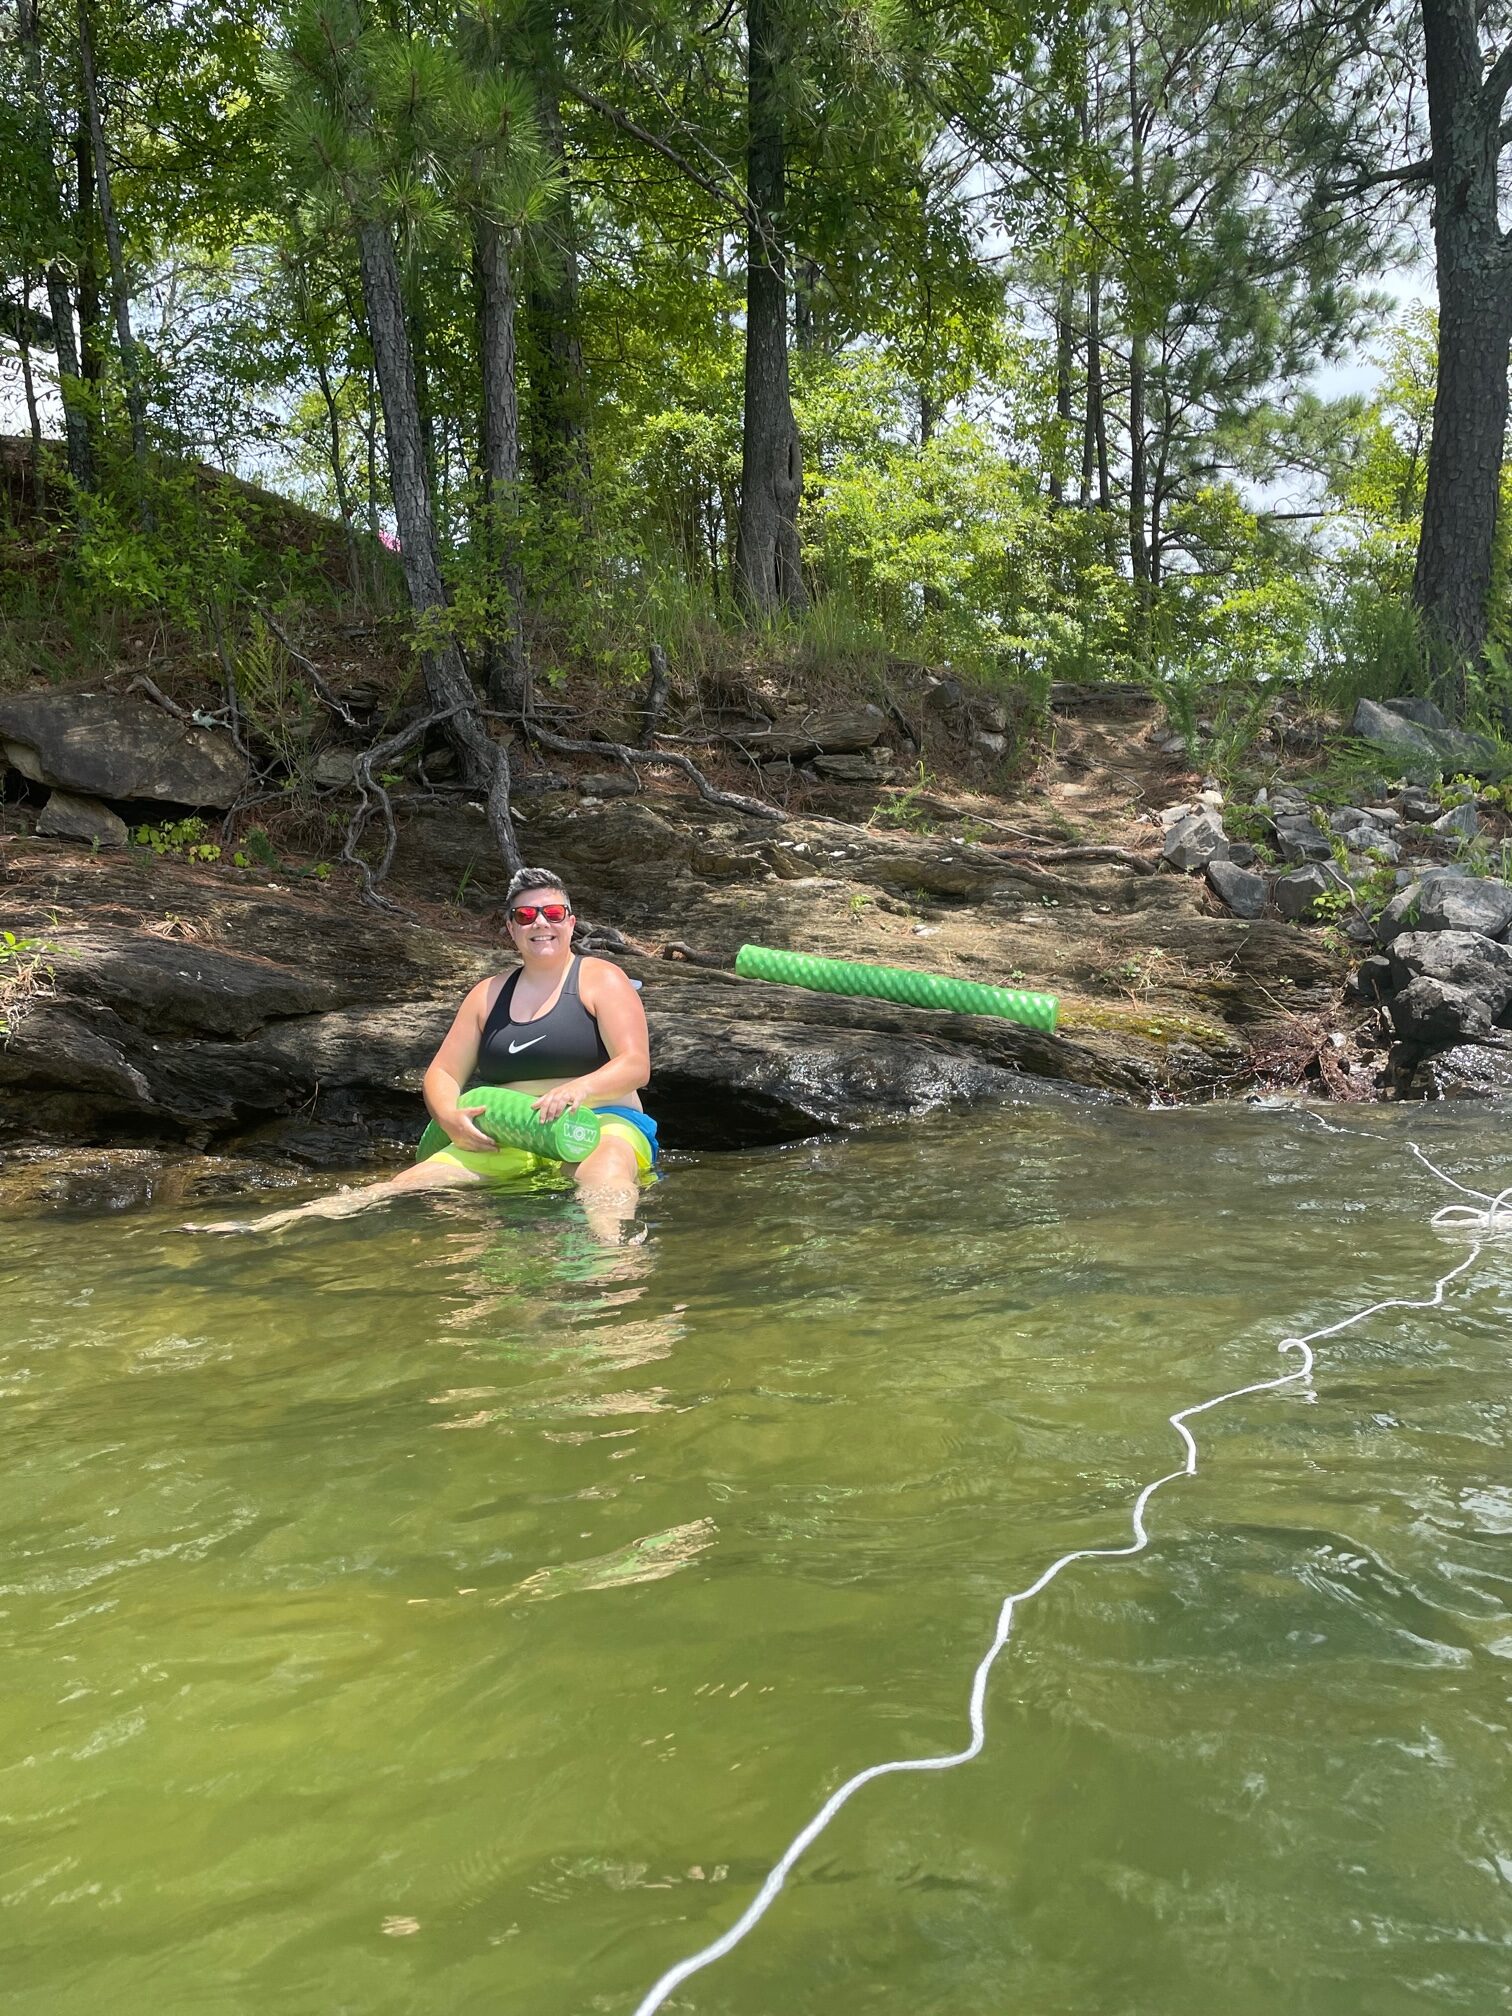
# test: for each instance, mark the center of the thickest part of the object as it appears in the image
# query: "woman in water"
(566, 1030)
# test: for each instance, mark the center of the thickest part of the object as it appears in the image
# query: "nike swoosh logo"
(526, 1044)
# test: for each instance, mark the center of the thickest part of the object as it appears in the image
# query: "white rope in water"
(757, 1909)
(1497, 1216)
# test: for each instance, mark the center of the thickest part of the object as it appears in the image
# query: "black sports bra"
(563, 1043)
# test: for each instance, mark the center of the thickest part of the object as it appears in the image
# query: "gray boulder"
(65, 817)
(1464, 903)
(1421, 807)
(1243, 892)
(1348, 819)
(1420, 750)
(1463, 959)
(1447, 899)
(1361, 831)
(1436, 1013)
(1297, 892)
(1299, 840)
(338, 768)
(102, 746)
(1368, 852)
(1411, 708)
(1194, 841)
(1372, 979)
(1286, 802)
(1460, 822)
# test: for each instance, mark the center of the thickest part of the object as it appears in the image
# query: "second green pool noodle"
(897, 983)
(509, 1118)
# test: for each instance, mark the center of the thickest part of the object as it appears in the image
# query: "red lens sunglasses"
(550, 913)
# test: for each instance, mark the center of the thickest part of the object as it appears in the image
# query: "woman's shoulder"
(602, 976)
(485, 993)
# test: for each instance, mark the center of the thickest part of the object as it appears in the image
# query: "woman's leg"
(608, 1188)
(435, 1174)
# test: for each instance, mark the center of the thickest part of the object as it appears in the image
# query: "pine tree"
(341, 77)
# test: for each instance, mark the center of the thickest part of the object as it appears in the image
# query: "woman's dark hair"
(533, 878)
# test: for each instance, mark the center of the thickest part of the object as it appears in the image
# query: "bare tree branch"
(1498, 83)
(664, 759)
(372, 791)
(738, 204)
(657, 689)
(316, 677)
(158, 697)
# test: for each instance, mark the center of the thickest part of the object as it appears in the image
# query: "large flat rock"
(103, 746)
(1421, 750)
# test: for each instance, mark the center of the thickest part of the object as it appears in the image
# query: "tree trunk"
(558, 434)
(1097, 410)
(508, 666)
(131, 363)
(29, 386)
(370, 439)
(1452, 580)
(1091, 413)
(86, 236)
(59, 303)
(1139, 550)
(484, 764)
(1139, 543)
(420, 358)
(338, 469)
(805, 327)
(1064, 356)
(768, 570)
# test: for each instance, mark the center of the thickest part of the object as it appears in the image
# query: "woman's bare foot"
(610, 1211)
(345, 1204)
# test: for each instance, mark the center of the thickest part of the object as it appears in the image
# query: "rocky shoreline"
(187, 1027)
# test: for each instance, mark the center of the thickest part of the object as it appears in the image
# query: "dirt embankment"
(269, 1021)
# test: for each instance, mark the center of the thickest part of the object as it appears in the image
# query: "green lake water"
(432, 1615)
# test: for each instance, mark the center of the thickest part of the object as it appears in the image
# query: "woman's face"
(534, 933)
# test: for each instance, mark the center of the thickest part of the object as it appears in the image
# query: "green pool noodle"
(509, 1118)
(896, 983)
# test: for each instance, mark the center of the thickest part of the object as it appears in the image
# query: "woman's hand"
(459, 1128)
(561, 1098)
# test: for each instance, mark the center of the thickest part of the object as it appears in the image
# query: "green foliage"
(26, 970)
(184, 839)
(1351, 775)
(905, 809)
(1332, 905)
(1246, 822)
(942, 383)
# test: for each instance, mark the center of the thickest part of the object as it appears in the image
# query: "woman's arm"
(614, 1004)
(452, 1066)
